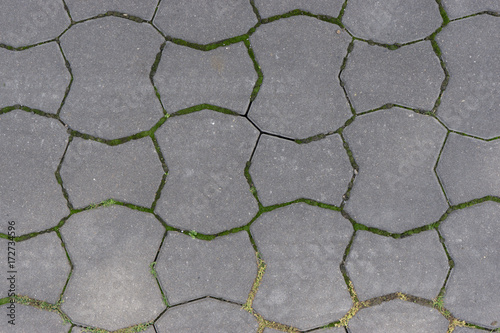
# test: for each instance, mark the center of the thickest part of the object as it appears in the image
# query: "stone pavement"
(250, 166)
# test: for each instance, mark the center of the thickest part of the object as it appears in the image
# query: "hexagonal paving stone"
(31, 147)
(396, 151)
(191, 268)
(459, 8)
(379, 265)
(27, 22)
(30, 319)
(80, 10)
(223, 77)
(77, 329)
(303, 247)
(36, 77)
(392, 21)
(93, 172)
(410, 76)
(283, 170)
(206, 189)
(111, 286)
(398, 316)
(205, 22)
(325, 7)
(471, 236)
(471, 101)
(111, 95)
(301, 94)
(207, 315)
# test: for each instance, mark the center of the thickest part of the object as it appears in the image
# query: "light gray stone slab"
(36, 77)
(111, 95)
(460, 8)
(223, 77)
(80, 10)
(31, 147)
(467, 330)
(409, 76)
(206, 189)
(302, 246)
(207, 315)
(205, 22)
(283, 170)
(77, 329)
(93, 172)
(325, 330)
(301, 94)
(471, 237)
(471, 101)
(111, 286)
(324, 7)
(396, 151)
(31, 319)
(392, 21)
(379, 265)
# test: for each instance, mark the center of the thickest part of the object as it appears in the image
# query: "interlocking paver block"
(93, 172)
(283, 170)
(31, 319)
(471, 101)
(379, 265)
(111, 286)
(303, 247)
(80, 10)
(410, 76)
(471, 237)
(207, 315)
(31, 147)
(324, 7)
(36, 77)
(206, 189)
(223, 77)
(396, 188)
(111, 95)
(205, 22)
(301, 94)
(191, 268)
(392, 21)
(459, 8)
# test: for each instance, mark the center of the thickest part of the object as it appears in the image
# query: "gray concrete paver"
(460, 8)
(30, 319)
(81, 10)
(324, 7)
(467, 330)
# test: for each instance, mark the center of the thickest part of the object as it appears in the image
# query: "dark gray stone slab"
(398, 316)
(205, 22)
(206, 189)
(392, 21)
(459, 8)
(283, 170)
(93, 172)
(27, 22)
(324, 7)
(36, 77)
(207, 315)
(111, 249)
(471, 236)
(302, 247)
(31, 147)
(471, 101)
(379, 265)
(111, 95)
(396, 151)
(301, 94)
(409, 76)
(80, 10)
(224, 77)
(30, 319)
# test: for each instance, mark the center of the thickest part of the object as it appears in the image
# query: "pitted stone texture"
(205, 22)
(76, 329)
(283, 171)
(303, 247)
(111, 95)
(93, 172)
(471, 101)
(111, 286)
(467, 330)
(31, 147)
(27, 22)
(379, 265)
(323, 330)
(224, 77)
(398, 316)
(206, 189)
(460, 8)
(471, 237)
(392, 21)
(410, 76)
(36, 77)
(80, 10)
(396, 151)
(324, 7)
(31, 319)
(301, 94)
(191, 268)
(207, 315)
